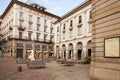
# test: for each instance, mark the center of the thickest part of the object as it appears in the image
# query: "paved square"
(53, 71)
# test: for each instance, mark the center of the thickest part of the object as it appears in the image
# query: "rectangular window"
(63, 35)
(38, 36)
(20, 23)
(45, 22)
(30, 17)
(21, 15)
(38, 20)
(64, 27)
(37, 47)
(44, 47)
(79, 30)
(90, 14)
(44, 29)
(19, 44)
(29, 36)
(38, 27)
(71, 23)
(20, 35)
(45, 37)
(57, 29)
(80, 19)
(71, 33)
(30, 26)
(90, 28)
(51, 47)
(21, 8)
(51, 30)
(29, 46)
(57, 37)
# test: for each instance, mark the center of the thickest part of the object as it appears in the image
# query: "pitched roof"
(28, 6)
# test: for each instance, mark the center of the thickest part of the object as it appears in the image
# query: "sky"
(58, 7)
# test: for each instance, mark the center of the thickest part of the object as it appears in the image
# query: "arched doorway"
(70, 55)
(89, 48)
(57, 51)
(79, 50)
(64, 51)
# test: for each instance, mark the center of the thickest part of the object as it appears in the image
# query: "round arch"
(79, 47)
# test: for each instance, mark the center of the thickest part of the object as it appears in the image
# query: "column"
(75, 54)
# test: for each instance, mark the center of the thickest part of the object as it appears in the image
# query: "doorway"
(70, 51)
(19, 53)
(79, 54)
(89, 52)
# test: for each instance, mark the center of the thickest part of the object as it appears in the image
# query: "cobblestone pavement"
(53, 71)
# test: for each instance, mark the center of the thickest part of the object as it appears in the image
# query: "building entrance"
(79, 54)
(19, 53)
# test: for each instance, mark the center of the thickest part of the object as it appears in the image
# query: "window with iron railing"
(44, 47)
(19, 44)
(37, 47)
(29, 46)
(51, 47)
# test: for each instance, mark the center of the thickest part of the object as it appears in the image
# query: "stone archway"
(79, 50)
(70, 51)
(58, 51)
(89, 48)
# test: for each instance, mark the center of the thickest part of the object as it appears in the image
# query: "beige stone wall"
(106, 23)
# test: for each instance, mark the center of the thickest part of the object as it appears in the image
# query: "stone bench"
(22, 60)
(36, 64)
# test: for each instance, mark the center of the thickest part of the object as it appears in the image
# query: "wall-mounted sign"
(112, 47)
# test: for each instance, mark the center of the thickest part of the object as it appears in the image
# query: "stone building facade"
(73, 33)
(105, 28)
(25, 27)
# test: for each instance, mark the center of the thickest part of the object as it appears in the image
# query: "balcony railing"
(26, 38)
(17, 37)
(70, 28)
(30, 21)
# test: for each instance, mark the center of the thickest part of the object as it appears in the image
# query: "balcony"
(79, 25)
(64, 31)
(30, 21)
(70, 28)
(45, 26)
(21, 19)
(38, 23)
(20, 27)
(17, 37)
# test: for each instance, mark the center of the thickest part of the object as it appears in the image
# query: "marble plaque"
(112, 47)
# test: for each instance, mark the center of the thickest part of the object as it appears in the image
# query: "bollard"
(19, 69)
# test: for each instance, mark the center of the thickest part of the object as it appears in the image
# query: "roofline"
(28, 6)
(82, 5)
